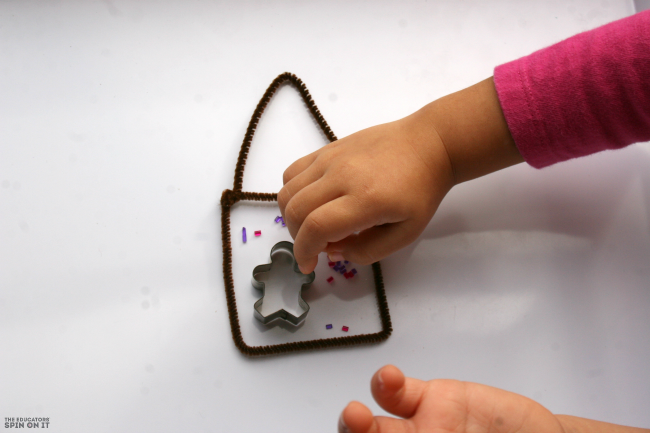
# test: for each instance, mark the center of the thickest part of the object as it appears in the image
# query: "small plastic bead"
(354, 271)
(329, 326)
(330, 279)
(243, 234)
(278, 218)
(258, 232)
(331, 264)
(346, 262)
(345, 328)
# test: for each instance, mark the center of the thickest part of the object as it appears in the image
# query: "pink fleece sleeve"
(588, 93)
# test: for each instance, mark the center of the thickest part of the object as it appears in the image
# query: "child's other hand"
(451, 406)
(366, 195)
(445, 406)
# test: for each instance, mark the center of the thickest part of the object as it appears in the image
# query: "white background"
(120, 124)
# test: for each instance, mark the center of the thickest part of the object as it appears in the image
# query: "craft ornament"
(230, 197)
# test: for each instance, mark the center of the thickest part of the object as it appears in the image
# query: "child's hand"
(445, 406)
(373, 192)
(366, 195)
(451, 406)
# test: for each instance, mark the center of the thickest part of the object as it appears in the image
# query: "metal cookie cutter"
(283, 247)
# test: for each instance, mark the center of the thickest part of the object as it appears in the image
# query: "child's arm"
(373, 192)
(586, 94)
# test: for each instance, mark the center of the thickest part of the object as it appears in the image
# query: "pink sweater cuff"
(588, 93)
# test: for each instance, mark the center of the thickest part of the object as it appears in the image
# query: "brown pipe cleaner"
(230, 197)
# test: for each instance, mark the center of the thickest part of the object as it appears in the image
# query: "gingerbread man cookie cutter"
(286, 249)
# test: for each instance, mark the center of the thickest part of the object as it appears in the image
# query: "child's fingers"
(289, 190)
(287, 194)
(375, 243)
(299, 166)
(310, 197)
(305, 162)
(331, 222)
(396, 393)
(357, 418)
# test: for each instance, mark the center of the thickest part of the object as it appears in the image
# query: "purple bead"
(243, 234)
(278, 218)
(346, 262)
(354, 271)
(328, 326)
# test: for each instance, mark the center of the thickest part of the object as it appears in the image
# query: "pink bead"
(345, 328)
(330, 279)
(258, 232)
(331, 264)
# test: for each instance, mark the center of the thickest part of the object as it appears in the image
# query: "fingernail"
(303, 270)
(380, 381)
(335, 257)
(342, 427)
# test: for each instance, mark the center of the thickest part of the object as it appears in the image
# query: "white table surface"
(120, 124)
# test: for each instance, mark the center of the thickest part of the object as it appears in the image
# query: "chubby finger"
(357, 418)
(375, 243)
(295, 185)
(396, 393)
(331, 222)
(300, 165)
(306, 200)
